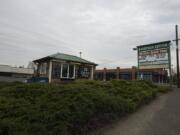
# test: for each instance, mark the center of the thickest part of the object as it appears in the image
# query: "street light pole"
(177, 56)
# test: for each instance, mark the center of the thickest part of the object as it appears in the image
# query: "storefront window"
(71, 71)
(56, 70)
(84, 72)
(65, 70)
(43, 68)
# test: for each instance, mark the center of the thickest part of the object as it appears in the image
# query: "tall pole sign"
(177, 55)
(154, 56)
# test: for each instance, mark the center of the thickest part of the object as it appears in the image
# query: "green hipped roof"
(66, 57)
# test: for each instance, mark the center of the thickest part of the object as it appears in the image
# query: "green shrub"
(164, 89)
(69, 109)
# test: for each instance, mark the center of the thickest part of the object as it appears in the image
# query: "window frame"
(67, 77)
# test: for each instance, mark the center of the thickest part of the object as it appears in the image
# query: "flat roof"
(162, 42)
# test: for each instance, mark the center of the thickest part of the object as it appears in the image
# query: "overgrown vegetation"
(69, 109)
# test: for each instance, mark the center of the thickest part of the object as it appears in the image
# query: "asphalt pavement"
(160, 117)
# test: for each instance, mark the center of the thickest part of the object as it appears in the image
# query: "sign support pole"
(138, 71)
(177, 56)
(170, 70)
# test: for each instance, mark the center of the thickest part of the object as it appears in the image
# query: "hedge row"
(69, 109)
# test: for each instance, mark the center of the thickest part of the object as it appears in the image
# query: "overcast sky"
(104, 30)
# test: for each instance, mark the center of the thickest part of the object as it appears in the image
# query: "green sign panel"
(155, 55)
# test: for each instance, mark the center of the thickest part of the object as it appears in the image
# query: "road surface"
(161, 117)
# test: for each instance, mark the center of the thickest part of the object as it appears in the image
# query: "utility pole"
(177, 56)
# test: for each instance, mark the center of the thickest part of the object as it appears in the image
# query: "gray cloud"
(105, 31)
(163, 11)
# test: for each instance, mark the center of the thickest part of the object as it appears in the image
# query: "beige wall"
(9, 69)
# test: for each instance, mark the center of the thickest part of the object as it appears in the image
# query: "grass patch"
(69, 109)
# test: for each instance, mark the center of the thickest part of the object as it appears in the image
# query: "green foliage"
(69, 109)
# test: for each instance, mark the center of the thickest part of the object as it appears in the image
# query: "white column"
(61, 70)
(74, 74)
(68, 72)
(50, 71)
(92, 73)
